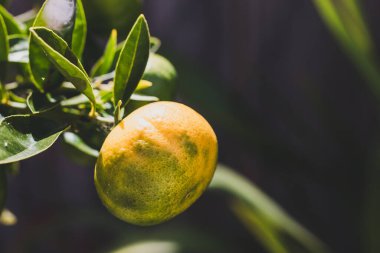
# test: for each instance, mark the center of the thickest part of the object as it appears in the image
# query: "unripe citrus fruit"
(163, 75)
(156, 163)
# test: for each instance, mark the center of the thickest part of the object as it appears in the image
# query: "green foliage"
(43, 75)
(13, 26)
(346, 22)
(50, 94)
(24, 136)
(132, 61)
(77, 142)
(104, 64)
(4, 44)
(18, 52)
(263, 216)
(59, 54)
(48, 57)
(79, 31)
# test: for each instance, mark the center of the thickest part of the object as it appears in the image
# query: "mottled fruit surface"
(156, 163)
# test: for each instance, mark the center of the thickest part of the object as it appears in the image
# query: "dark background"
(291, 113)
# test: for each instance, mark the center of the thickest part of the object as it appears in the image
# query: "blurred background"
(292, 111)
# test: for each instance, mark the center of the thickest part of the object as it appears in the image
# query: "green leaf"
(4, 44)
(27, 18)
(345, 21)
(40, 102)
(3, 187)
(155, 44)
(24, 136)
(13, 26)
(19, 49)
(4, 52)
(261, 229)
(263, 216)
(59, 53)
(80, 30)
(144, 98)
(75, 141)
(3, 94)
(104, 64)
(59, 16)
(143, 84)
(152, 246)
(40, 69)
(132, 61)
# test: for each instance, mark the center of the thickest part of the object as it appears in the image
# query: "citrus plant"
(51, 94)
(154, 158)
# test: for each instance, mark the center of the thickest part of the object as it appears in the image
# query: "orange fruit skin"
(156, 163)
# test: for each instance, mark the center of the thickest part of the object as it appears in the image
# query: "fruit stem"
(92, 113)
(118, 114)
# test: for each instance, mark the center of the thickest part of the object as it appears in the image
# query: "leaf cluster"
(45, 91)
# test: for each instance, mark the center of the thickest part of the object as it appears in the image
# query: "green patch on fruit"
(190, 147)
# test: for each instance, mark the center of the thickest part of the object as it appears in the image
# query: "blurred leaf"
(263, 214)
(7, 218)
(59, 16)
(3, 187)
(27, 18)
(76, 100)
(101, 97)
(104, 64)
(151, 247)
(19, 50)
(13, 26)
(24, 136)
(188, 238)
(132, 61)
(15, 98)
(39, 102)
(12, 169)
(259, 227)
(155, 44)
(4, 45)
(59, 53)
(345, 21)
(75, 141)
(80, 30)
(144, 98)
(3, 94)
(143, 84)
